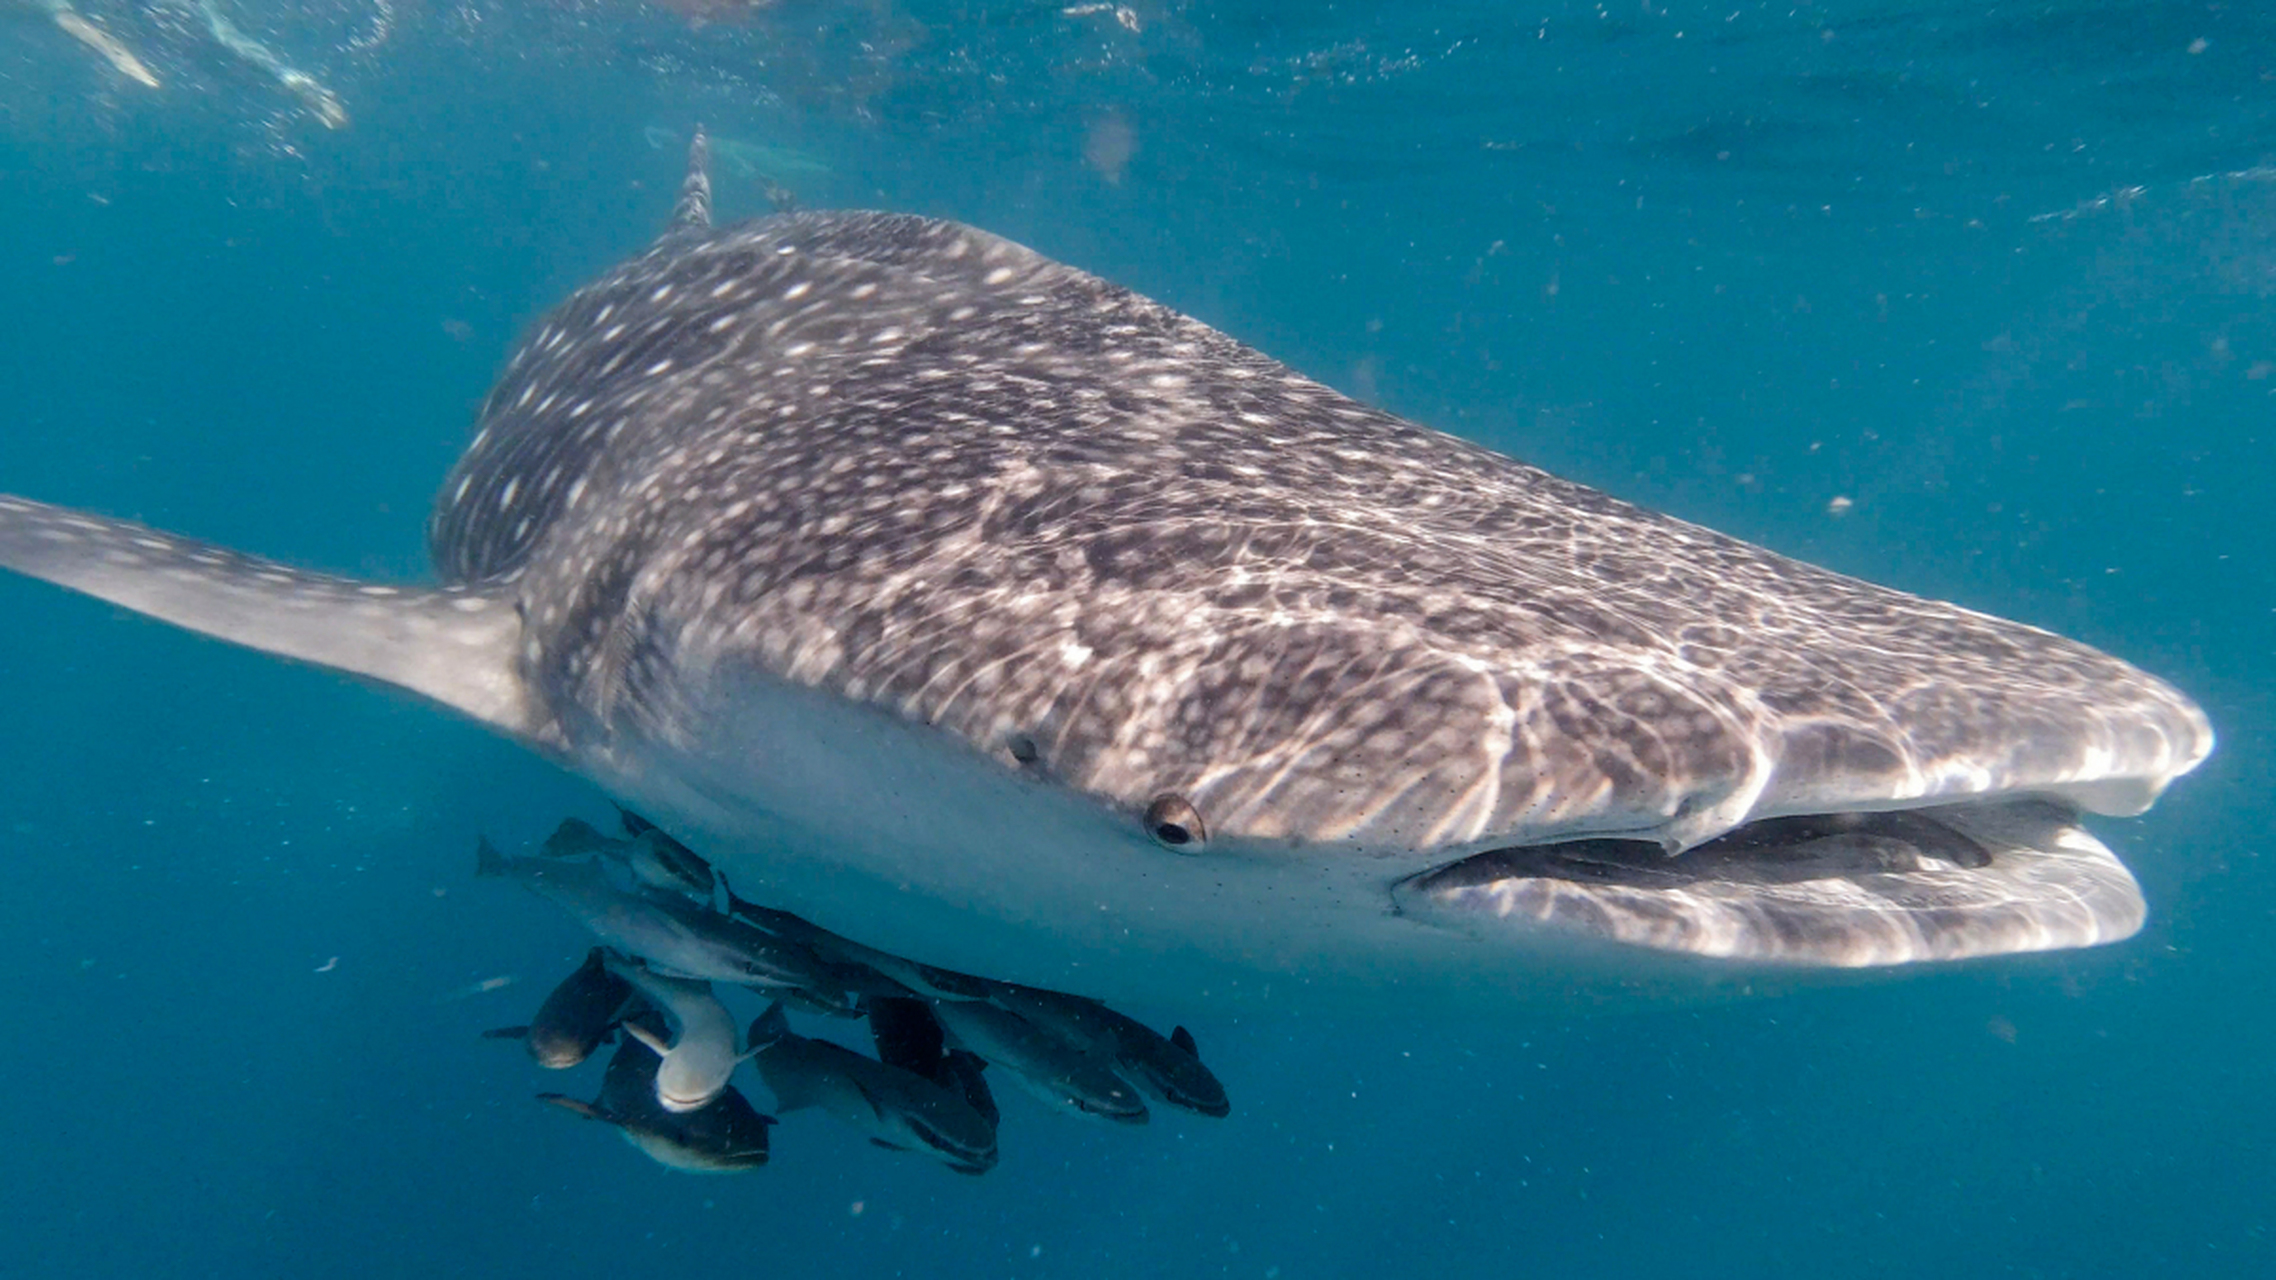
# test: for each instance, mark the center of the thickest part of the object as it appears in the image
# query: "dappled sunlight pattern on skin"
(812, 534)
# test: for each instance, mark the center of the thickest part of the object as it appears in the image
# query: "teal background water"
(1999, 275)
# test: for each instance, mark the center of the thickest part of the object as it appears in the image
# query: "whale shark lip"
(1844, 890)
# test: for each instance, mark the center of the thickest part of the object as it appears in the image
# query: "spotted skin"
(915, 465)
(864, 544)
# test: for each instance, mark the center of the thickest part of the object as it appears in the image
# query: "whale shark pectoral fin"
(455, 647)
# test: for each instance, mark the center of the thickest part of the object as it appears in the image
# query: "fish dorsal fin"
(574, 838)
(693, 212)
(769, 1027)
(1183, 1039)
(456, 647)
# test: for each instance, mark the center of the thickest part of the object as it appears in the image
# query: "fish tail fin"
(693, 212)
(456, 647)
(487, 860)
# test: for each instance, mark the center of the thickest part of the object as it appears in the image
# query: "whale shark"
(976, 608)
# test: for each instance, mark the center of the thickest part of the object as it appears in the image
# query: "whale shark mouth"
(1849, 890)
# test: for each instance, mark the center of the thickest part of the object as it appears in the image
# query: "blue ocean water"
(1971, 299)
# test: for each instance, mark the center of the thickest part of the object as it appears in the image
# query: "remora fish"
(898, 1109)
(901, 975)
(676, 937)
(1066, 1076)
(956, 599)
(674, 861)
(1164, 1067)
(908, 1036)
(578, 1014)
(652, 859)
(657, 860)
(727, 1136)
(701, 1054)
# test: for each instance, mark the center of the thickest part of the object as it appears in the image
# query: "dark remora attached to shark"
(964, 603)
(726, 1135)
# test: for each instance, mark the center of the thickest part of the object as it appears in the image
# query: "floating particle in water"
(1108, 146)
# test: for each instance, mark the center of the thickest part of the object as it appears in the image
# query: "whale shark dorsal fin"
(456, 647)
(693, 212)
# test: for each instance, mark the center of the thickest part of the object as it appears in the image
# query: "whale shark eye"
(1175, 823)
(1022, 748)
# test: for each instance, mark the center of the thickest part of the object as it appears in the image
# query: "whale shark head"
(937, 589)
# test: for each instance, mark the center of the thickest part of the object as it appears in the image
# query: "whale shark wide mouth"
(1847, 890)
